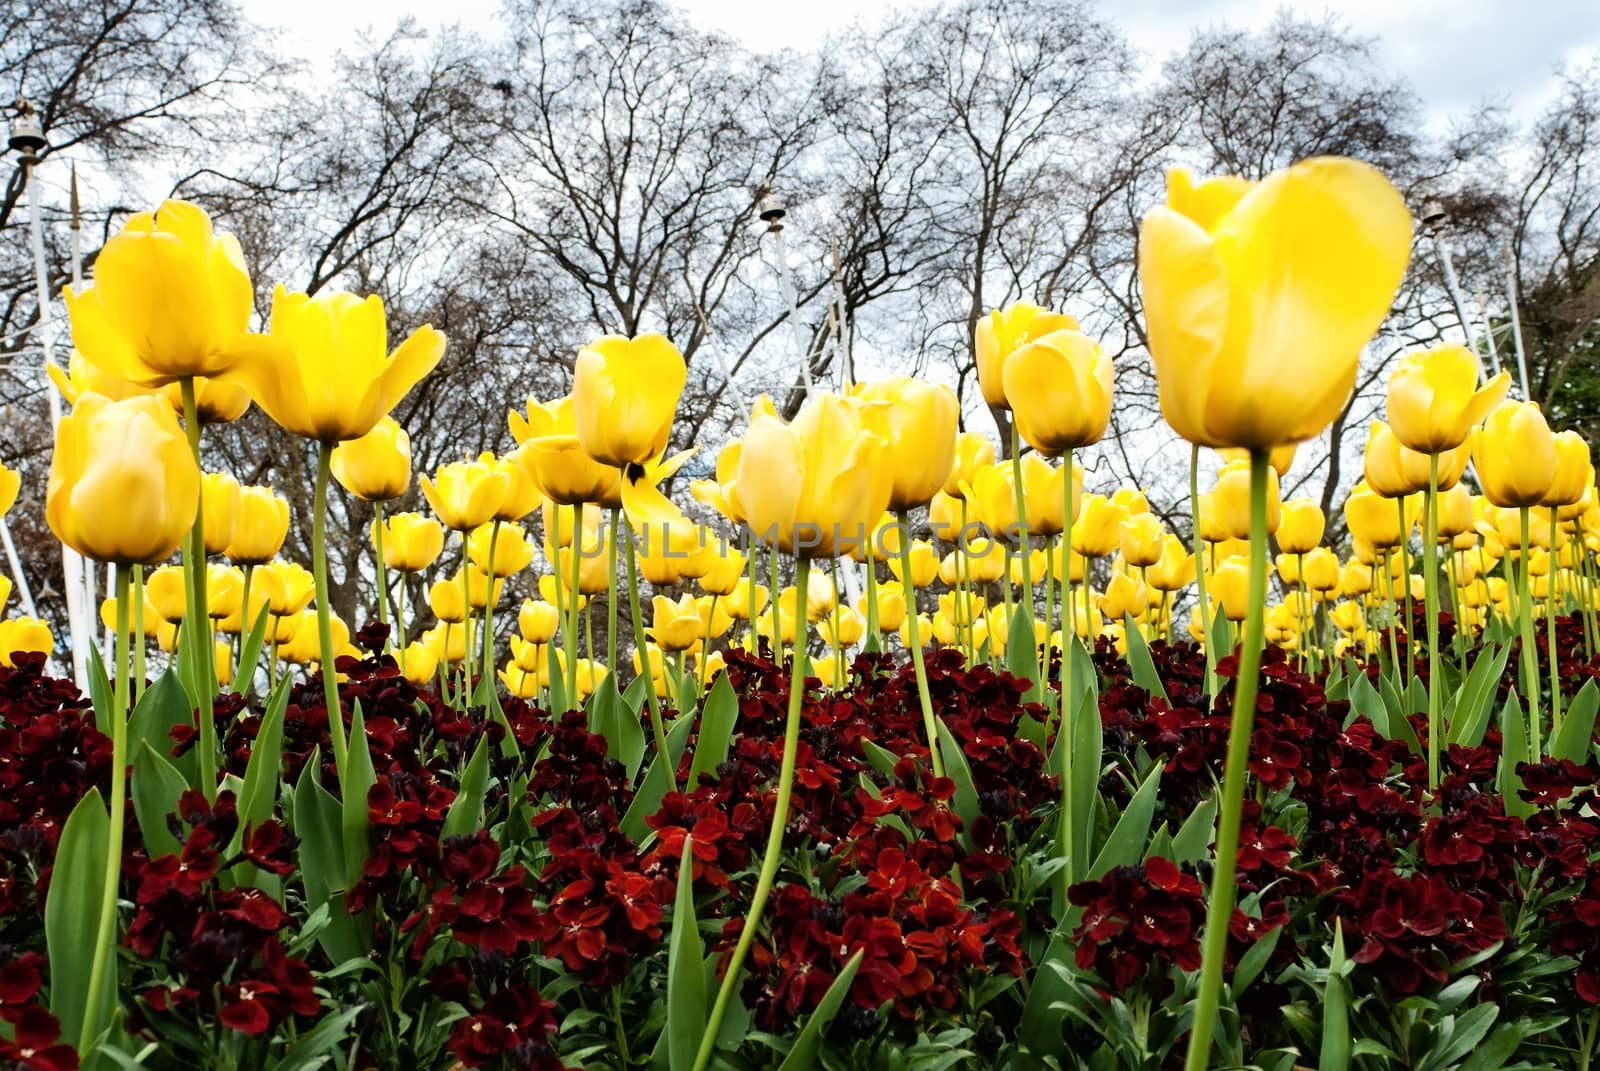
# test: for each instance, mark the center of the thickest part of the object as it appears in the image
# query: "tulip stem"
(138, 630)
(1430, 595)
(1552, 652)
(488, 610)
(1530, 658)
(383, 569)
(106, 935)
(1025, 601)
(319, 575)
(642, 642)
(913, 632)
(872, 589)
(466, 621)
(780, 822)
(962, 603)
(205, 672)
(246, 624)
(400, 622)
(1219, 909)
(1200, 574)
(1405, 587)
(570, 639)
(1069, 638)
(611, 590)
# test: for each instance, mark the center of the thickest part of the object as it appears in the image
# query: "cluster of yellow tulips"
(1258, 297)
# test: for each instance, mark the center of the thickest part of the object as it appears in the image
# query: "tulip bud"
(918, 422)
(1230, 587)
(1516, 455)
(1142, 540)
(466, 494)
(1059, 389)
(624, 394)
(1300, 527)
(24, 635)
(973, 452)
(1001, 334)
(537, 621)
(260, 528)
(1435, 400)
(411, 541)
(164, 588)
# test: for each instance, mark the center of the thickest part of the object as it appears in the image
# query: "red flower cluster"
(1136, 917)
(35, 1043)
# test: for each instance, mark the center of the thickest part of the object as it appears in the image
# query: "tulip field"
(889, 746)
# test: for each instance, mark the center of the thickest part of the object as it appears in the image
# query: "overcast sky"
(1458, 53)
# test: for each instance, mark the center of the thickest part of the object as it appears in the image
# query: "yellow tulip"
(1230, 500)
(1300, 526)
(123, 484)
(24, 635)
(1391, 469)
(721, 494)
(216, 401)
(289, 587)
(478, 589)
(1003, 332)
(1043, 497)
(1142, 540)
(594, 573)
(944, 516)
(1059, 390)
(739, 600)
(1124, 596)
(1516, 455)
(928, 629)
(1376, 520)
(1259, 297)
(163, 589)
(537, 621)
(567, 475)
(377, 466)
(1320, 570)
(624, 394)
(1035, 567)
(411, 541)
(985, 560)
(1574, 475)
(466, 494)
(675, 626)
(918, 422)
(1098, 529)
(810, 487)
(891, 606)
(259, 529)
(973, 451)
(222, 500)
(1355, 579)
(924, 564)
(992, 498)
(1281, 458)
(558, 591)
(714, 617)
(725, 572)
(1229, 587)
(1175, 570)
(1348, 618)
(446, 642)
(171, 299)
(10, 484)
(513, 551)
(1434, 398)
(842, 628)
(447, 600)
(224, 591)
(324, 372)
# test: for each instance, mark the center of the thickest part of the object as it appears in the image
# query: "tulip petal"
(1186, 306)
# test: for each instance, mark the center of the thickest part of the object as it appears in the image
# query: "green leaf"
(803, 1056)
(263, 777)
(1085, 758)
(717, 722)
(647, 800)
(156, 787)
(1336, 1010)
(357, 779)
(317, 822)
(1365, 701)
(1254, 961)
(957, 769)
(1125, 846)
(1040, 1027)
(1193, 842)
(556, 682)
(466, 811)
(1513, 749)
(1500, 1047)
(100, 694)
(1142, 666)
(879, 758)
(1022, 650)
(244, 677)
(72, 917)
(1576, 736)
(1474, 703)
(686, 974)
(611, 719)
(164, 705)
(1468, 1029)
(311, 1049)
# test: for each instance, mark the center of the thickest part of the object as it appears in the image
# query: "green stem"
(1530, 659)
(1200, 572)
(657, 727)
(138, 630)
(611, 591)
(1219, 909)
(963, 589)
(622, 1033)
(383, 568)
(319, 574)
(246, 623)
(1069, 639)
(466, 622)
(780, 821)
(1552, 653)
(1430, 589)
(872, 588)
(1387, 572)
(400, 623)
(488, 610)
(106, 935)
(194, 567)
(570, 640)
(1025, 601)
(1588, 1040)
(1405, 586)
(913, 630)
